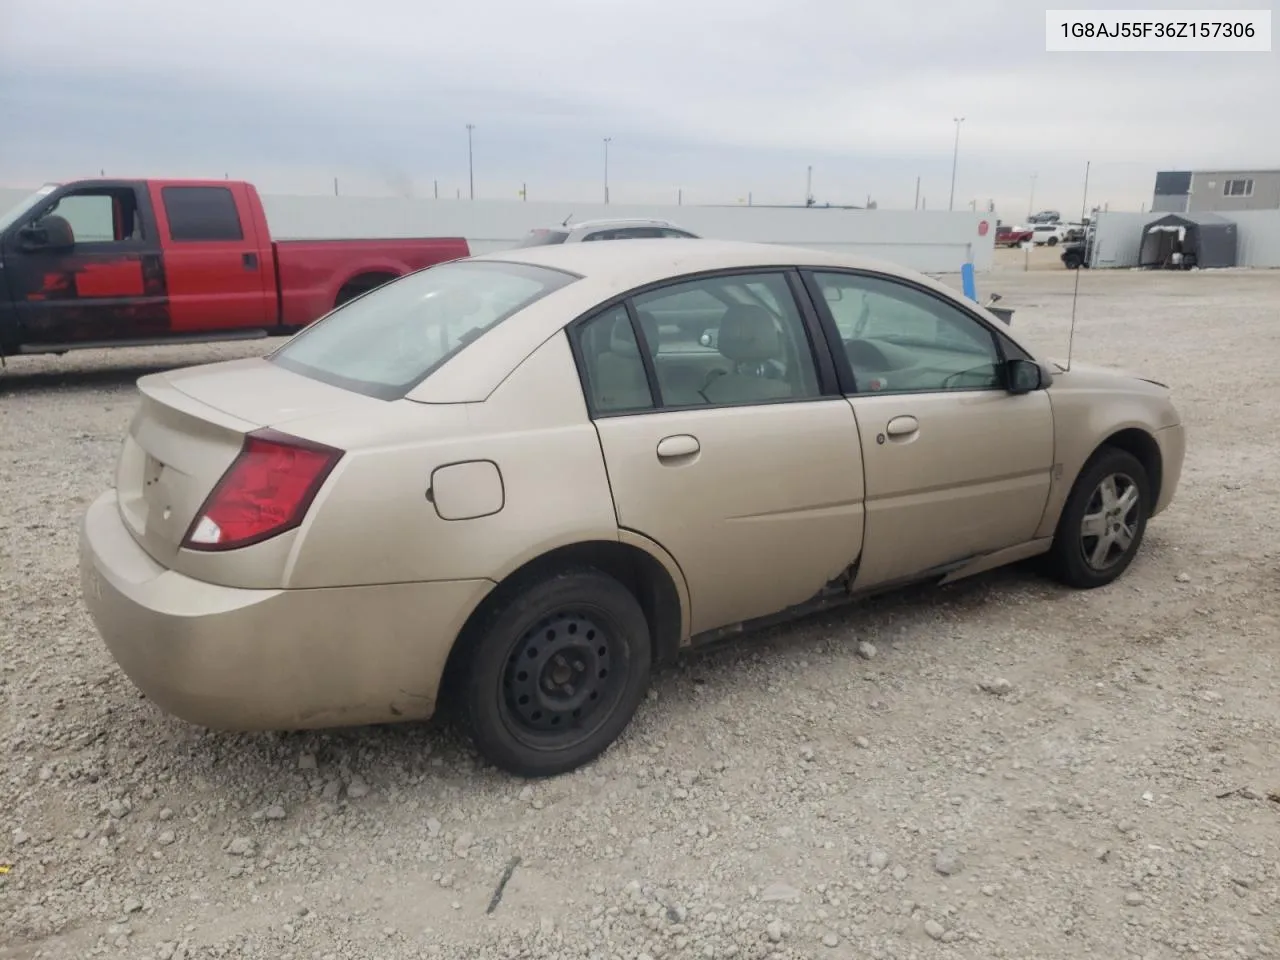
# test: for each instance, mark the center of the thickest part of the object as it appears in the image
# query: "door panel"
(106, 284)
(214, 261)
(760, 505)
(969, 476)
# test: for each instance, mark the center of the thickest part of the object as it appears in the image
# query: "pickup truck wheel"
(358, 286)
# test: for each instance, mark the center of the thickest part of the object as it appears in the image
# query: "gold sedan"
(517, 481)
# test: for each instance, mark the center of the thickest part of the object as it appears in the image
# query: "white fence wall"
(1119, 238)
(930, 241)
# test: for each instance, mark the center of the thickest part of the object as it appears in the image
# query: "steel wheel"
(1110, 522)
(559, 680)
(555, 666)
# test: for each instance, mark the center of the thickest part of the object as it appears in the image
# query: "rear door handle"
(902, 426)
(250, 261)
(679, 447)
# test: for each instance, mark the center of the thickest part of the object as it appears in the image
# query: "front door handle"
(902, 426)
(679, 447)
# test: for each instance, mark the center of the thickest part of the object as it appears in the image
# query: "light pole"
(606, 168)
(1031, 203)
(954, 157)
(471, 172)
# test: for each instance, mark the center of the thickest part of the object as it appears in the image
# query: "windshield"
(9, 217)
(543, 238)
(388, 341)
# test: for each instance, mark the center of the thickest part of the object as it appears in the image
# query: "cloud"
(716, 97)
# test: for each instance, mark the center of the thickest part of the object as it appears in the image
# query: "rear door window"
(388, 341)
(201, 214)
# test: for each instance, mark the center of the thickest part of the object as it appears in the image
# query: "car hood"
(1103, 376)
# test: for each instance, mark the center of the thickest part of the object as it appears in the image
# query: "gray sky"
(718, 97)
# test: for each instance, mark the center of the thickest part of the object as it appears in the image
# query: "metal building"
(1208, 191)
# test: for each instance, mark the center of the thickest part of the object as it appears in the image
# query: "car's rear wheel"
(1102, 522)
(556, 673)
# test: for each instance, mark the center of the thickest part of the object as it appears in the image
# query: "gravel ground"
(999, 769)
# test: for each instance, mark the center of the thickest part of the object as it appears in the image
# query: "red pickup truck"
(99, 263)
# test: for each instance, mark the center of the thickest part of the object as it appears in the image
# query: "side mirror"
(39, 236)
(33, 238)
(1024, 376)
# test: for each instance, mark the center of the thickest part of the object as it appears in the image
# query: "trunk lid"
(188, 429)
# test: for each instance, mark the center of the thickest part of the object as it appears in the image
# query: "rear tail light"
(266, 491)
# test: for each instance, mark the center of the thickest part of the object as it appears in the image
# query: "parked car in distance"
(512, 484)
(101, 263)
(1044, 216)
(618, 229)
(1073, 255)
(1049, 233)
(1011, 236)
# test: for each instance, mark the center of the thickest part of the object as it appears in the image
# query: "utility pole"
(955, 156)
(1031, 204)
(471, 175)
(917, 193)
(808, 187)
(606, 168)
(680, 197)
(335, 186)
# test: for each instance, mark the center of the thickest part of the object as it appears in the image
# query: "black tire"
(1072, 263)
(1052, 241)
(1070, 559)
(588, 639)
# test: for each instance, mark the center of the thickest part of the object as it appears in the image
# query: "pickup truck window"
(201, 214)
(386, 342)
(100, 214)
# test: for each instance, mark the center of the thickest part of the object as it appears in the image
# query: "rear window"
(389, 340)
(543, 238)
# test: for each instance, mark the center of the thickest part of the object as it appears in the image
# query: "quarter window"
(201, 214)
(898, 339)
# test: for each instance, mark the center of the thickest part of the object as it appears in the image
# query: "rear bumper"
(1173, 450)
(237, 659)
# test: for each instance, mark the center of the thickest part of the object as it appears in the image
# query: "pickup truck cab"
(100, 263)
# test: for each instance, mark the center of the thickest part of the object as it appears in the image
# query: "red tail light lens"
(266, 491)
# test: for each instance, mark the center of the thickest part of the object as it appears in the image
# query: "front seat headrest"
(748, 334)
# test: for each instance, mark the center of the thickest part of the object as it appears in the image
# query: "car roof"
(632, 263)
(619, 222)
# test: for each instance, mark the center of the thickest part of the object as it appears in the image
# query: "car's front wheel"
(556, 673)
(1102, 522)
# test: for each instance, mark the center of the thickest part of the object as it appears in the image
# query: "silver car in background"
(631, 228)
